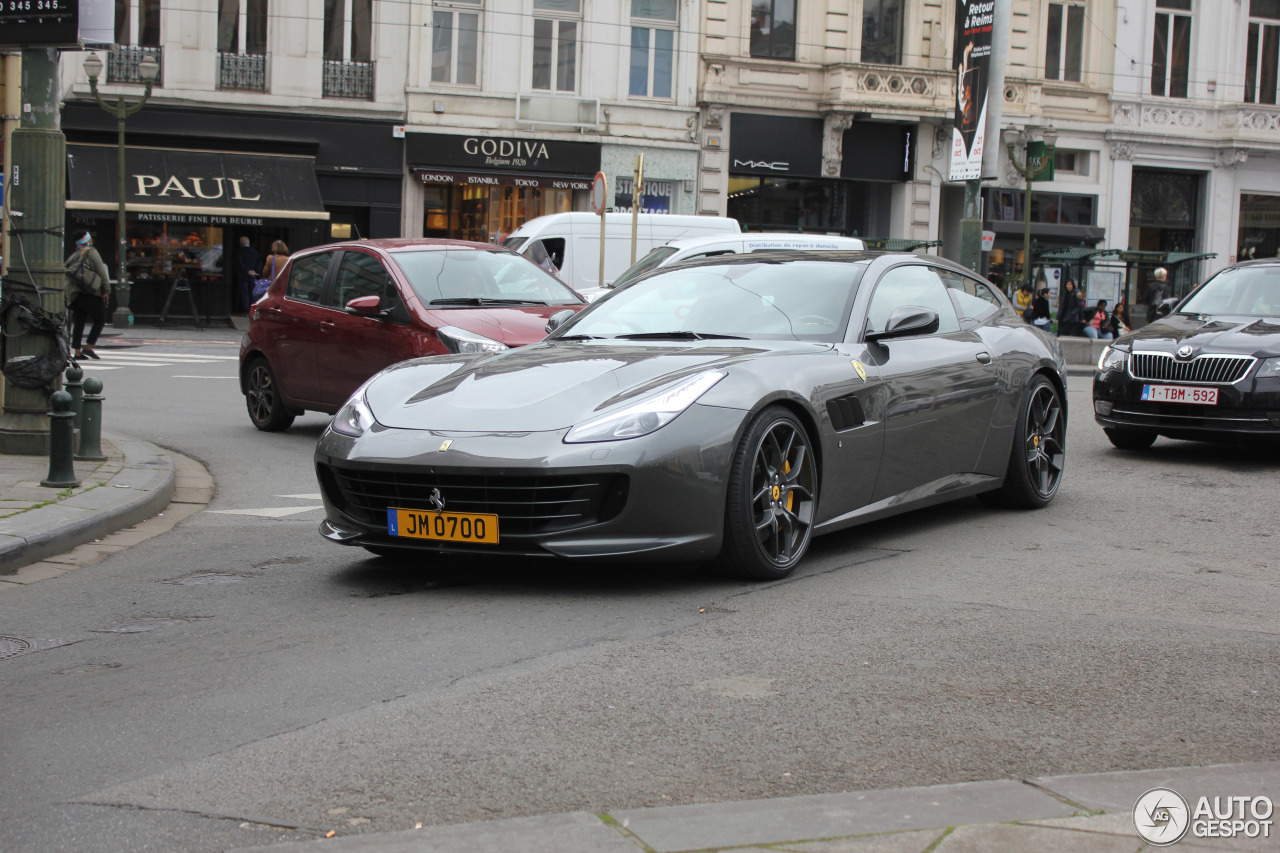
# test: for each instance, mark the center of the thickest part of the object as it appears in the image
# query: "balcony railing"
(245, 72)
(344, 79)
(123, 61)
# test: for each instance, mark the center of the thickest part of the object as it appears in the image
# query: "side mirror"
(558, 319)
(1166, 307)
(366, 306)
(907, 320)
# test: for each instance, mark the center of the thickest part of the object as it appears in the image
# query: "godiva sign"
(434, 152)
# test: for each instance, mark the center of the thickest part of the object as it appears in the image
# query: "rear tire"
(1038, 455)
(262, 399)
(773, 491)
(1130, 439)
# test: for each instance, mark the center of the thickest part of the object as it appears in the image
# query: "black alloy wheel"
(262, 399)
(773, 488)
(1038, 455)
(1130, 439)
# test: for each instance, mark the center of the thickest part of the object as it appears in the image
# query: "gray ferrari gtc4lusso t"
(724, 409)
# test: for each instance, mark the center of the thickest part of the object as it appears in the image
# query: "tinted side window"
(306, 278)
(974, 300)
(911, 285)
(361, 275)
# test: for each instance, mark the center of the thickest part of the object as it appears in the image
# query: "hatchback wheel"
(262, 399)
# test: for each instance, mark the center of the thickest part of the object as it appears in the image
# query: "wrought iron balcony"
(348, 79)
(246, 72)
(123, 61)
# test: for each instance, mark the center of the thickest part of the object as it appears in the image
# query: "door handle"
(327, 326)
(984, 357)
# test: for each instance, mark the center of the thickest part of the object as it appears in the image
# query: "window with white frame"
(1064, 43)
(773, 29)
(455, 42)
(348, 30)
(555, 44)
(138, 22)
(242, 27)
(653, 47)
(1262, 55)
(1171, 48)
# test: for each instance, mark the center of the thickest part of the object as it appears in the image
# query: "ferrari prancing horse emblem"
(862, 371)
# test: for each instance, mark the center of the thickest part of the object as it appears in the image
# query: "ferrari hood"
(547, 386)
(1242, 335)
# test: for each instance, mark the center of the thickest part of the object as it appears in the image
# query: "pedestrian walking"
(248, 263)
(86, 293)
(1156, 290)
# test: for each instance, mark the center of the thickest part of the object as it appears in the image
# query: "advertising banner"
(972, 61)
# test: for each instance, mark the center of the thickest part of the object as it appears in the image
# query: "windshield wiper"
(483, 300)
(679, 336)
(580, 338)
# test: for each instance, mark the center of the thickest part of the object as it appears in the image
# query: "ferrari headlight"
(462, 341)
(1111, 359)
(1269, 369)
(647, 415)
(354, 418)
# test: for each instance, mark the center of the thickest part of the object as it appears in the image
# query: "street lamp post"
(148, 69)
(1030, 169)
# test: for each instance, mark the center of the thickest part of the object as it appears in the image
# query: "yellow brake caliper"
(786, 469)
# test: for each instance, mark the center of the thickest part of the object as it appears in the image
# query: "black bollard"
(75, 387)
(62, 436)
(91, 422)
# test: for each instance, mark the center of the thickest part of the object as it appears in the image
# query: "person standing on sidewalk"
(248, 262)
(86, 293)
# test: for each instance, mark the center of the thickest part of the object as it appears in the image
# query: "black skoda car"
(1209, 369)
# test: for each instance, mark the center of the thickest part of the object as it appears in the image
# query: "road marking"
(314, 497)
(267, 512)
(193, 376)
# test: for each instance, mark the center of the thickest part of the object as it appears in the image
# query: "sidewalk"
(1062, 814)
(41, 527)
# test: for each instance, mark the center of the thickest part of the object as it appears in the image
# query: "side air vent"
(846, 413)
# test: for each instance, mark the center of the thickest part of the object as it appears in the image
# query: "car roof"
(401, 244)
(697, 242)
(815, 256)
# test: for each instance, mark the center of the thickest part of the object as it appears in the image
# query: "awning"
(194, 183)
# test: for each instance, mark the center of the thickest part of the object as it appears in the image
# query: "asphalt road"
(239, 680)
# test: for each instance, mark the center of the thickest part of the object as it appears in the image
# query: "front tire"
(1039, 450)
(262, 399)
(1130, 439)
(773, 491)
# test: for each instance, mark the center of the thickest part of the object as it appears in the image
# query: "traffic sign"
(599, 192)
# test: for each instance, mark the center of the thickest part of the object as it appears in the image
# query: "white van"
(706, 247)
(571, 241)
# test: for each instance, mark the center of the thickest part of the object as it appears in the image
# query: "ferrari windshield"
(650, 261)
(462, 278)
(793, 300)
(1239, 291)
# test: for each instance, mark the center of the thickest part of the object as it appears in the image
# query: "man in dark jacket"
(248, 263)
(86, 292)
(1156, 292)
(1070, 318)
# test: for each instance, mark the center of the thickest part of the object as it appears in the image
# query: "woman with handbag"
(271, 268)
(86, 293)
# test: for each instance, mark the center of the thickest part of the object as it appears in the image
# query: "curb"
(141, 489)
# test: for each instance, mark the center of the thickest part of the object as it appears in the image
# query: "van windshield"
(649, 262)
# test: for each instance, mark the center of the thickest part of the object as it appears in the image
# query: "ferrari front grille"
(1203, 369)
(526, 505)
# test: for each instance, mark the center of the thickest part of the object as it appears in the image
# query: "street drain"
(204, 578)
(11, 647)
(138, 626)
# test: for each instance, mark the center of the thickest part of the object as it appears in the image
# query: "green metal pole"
(1026, 229)
(37, 190)
(122, 317)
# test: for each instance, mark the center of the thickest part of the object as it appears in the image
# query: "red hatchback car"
(339, 313)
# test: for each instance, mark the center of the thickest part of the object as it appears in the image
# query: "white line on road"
(314, 497)
(267, 512)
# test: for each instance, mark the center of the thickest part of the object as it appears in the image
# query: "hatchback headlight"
(354, 418)
(1269, 369)
(647, 415)
(462, 341)
(1111, 359)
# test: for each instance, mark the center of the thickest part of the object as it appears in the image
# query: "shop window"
(1006, 205)
(555, 45)
(455, 44)
(773, 29)
(1064, 44)
(882, 31)
(1262, 53)
(652, 48)
(1171, 49)
(1259, 226)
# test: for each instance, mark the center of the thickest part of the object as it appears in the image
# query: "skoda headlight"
(355, 418)
(1269, 369)
(647, 415)
(462, 341)
(1111, 359)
